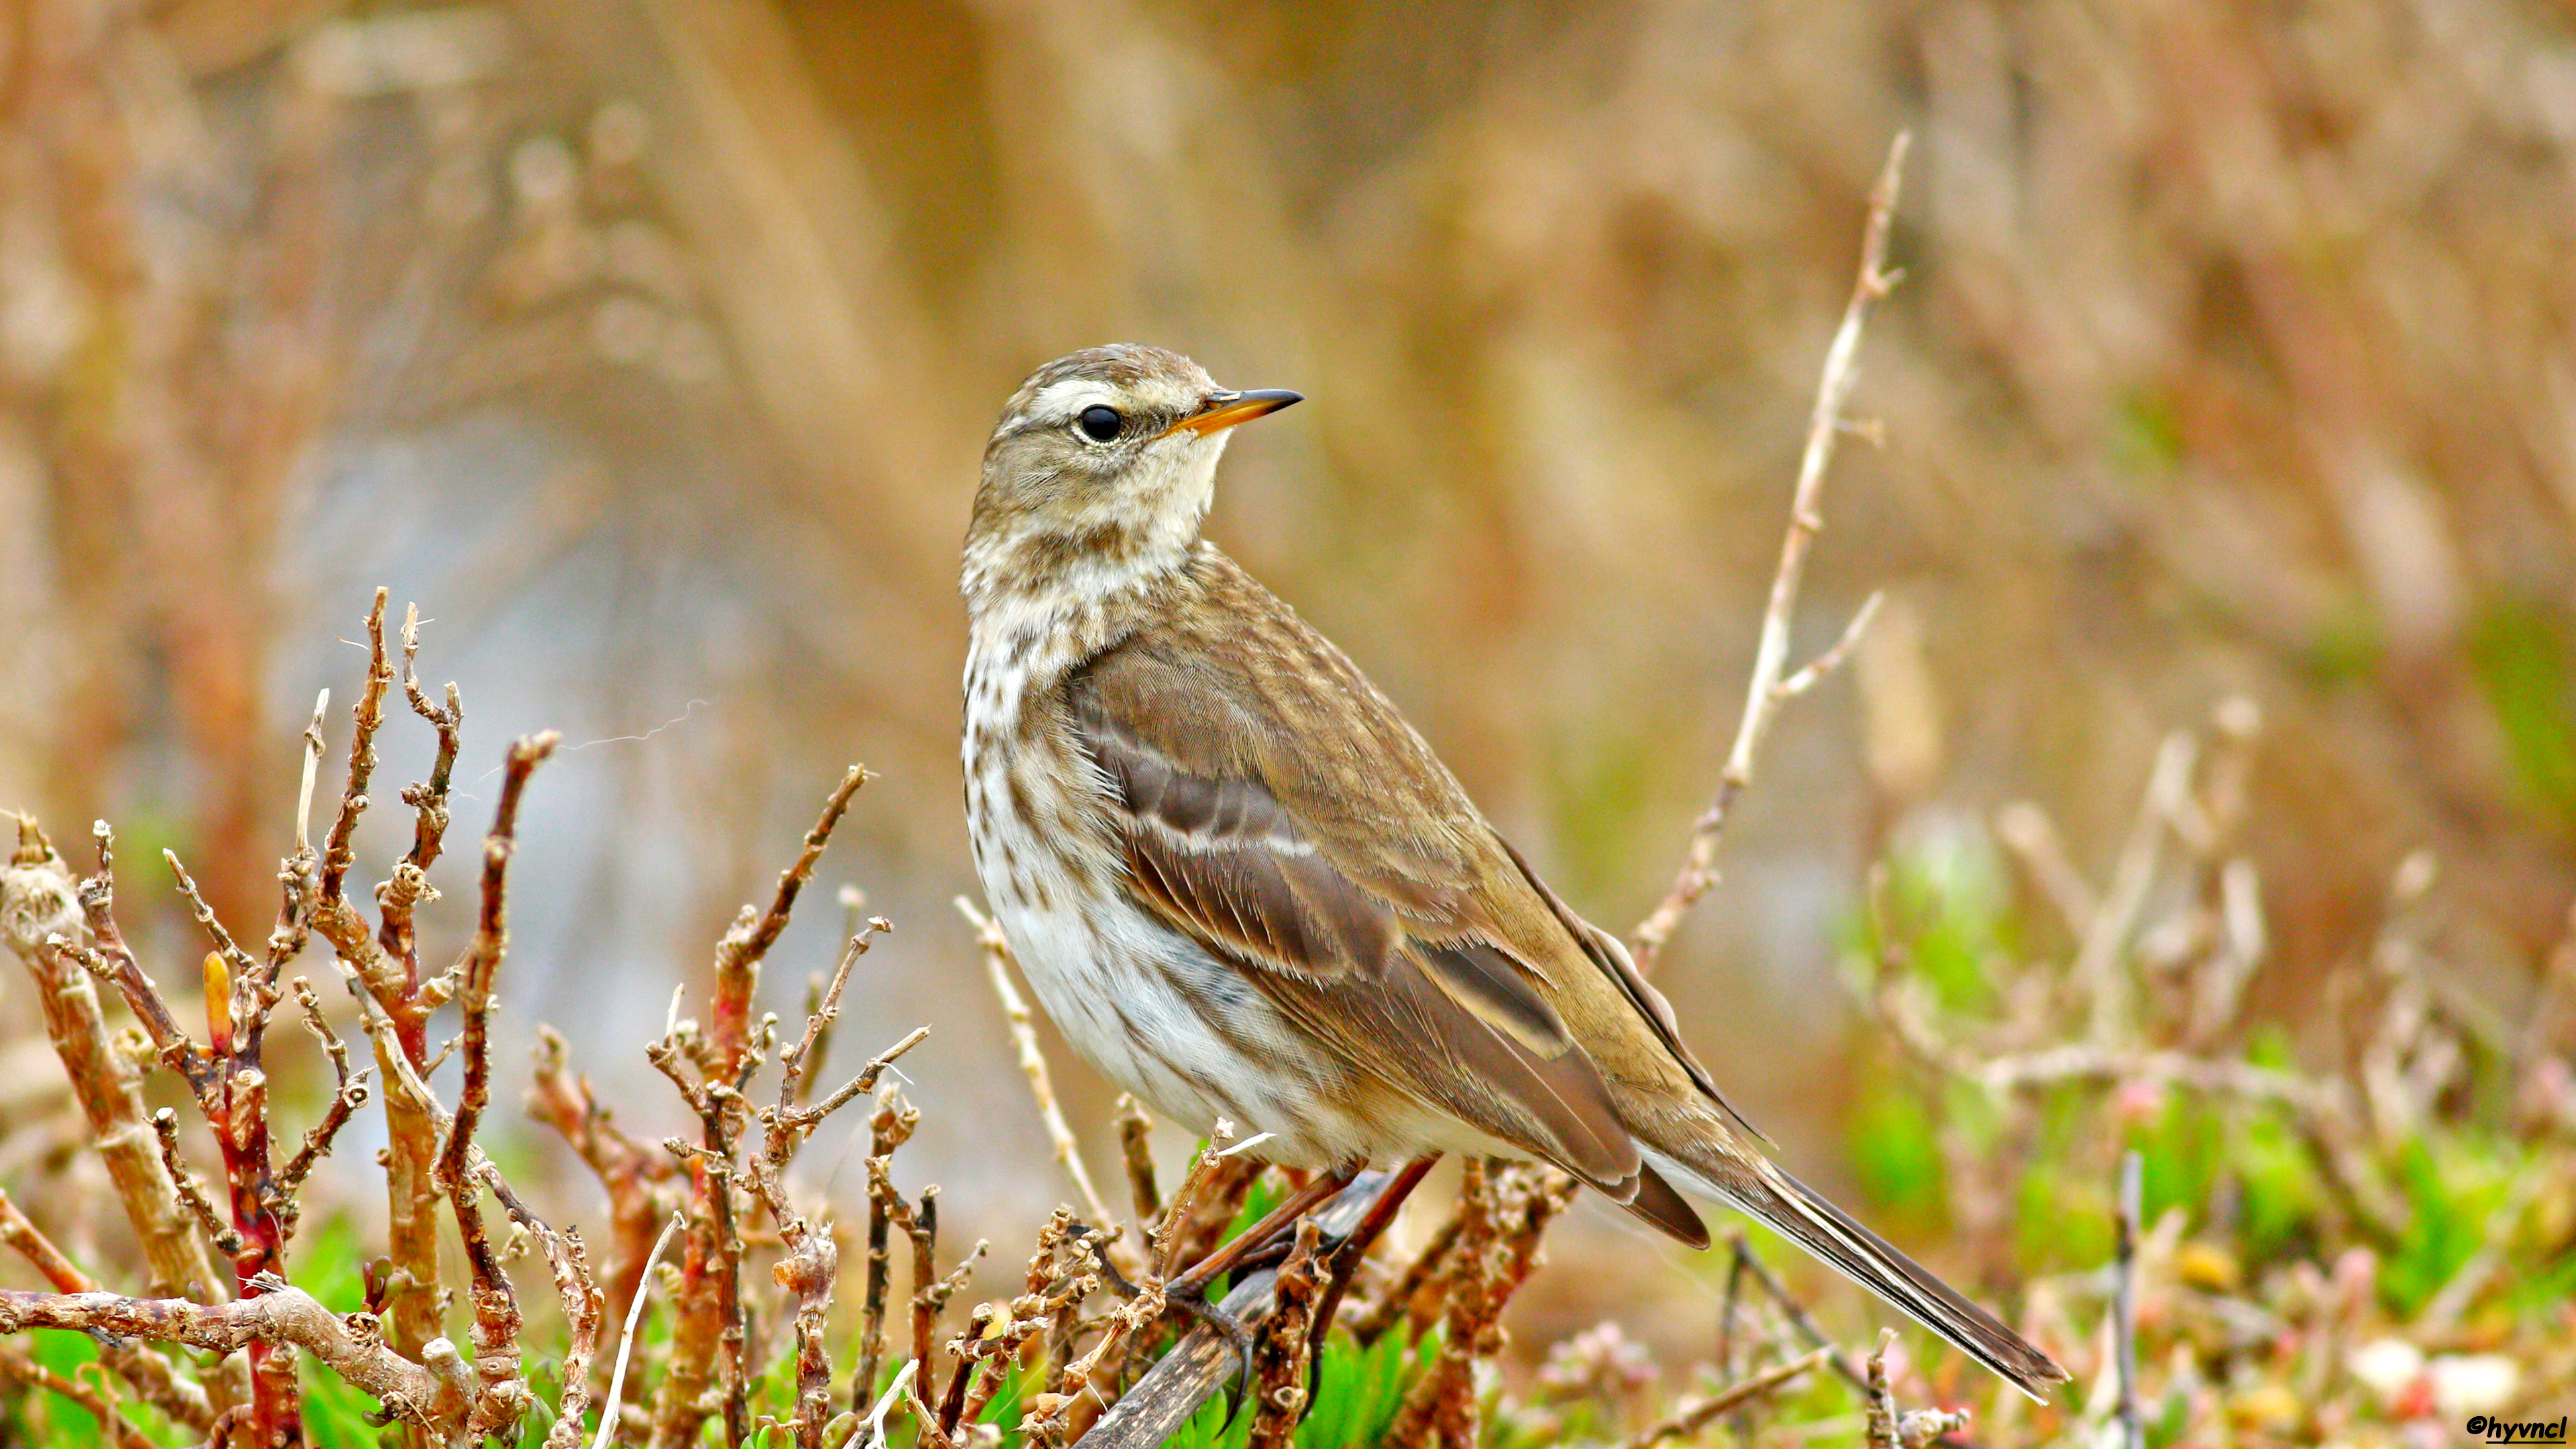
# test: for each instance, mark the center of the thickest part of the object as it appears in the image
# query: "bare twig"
(1881, 1433)
(1287, 1340)
(279, 1315)
(1767, 689)
(812, 1260)
(20, 1367)
(1885, 1428)
(1135, 1147)
(2124, 1302)
(1033, 1065)
(890, 1126)
(1692, 1418)
(339, 851)
(582, 1305)
(221, 939)
(151, 1375)
(346, 1098)
(192, 1193)
(629, 1171)
(1441, 1407)
(504, 1396)
(39, 902)
(626, 1339)
(739, 954)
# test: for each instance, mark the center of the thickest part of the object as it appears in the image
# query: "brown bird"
(1246, 889)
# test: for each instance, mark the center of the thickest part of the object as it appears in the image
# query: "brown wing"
(1289, 820)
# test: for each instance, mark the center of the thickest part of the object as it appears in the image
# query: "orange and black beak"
(1223, 410)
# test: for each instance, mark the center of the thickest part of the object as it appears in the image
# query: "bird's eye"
(1099, 423)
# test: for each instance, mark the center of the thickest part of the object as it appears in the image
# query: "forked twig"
(1033, 1064)
(1767, 689)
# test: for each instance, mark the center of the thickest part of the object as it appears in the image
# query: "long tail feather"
(1803, 1215)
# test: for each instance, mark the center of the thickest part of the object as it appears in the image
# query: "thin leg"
(1318, 1189)
(1346, 1259)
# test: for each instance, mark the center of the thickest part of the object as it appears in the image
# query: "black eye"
(1099, 423)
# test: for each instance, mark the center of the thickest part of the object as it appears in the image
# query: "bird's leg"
(1191, 1305)
(1318, 1190)
(1346, 1259)
(1188, 1291)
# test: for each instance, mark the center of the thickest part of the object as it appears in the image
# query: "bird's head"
(1101, 470)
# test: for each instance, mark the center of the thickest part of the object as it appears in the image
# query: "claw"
(1240, 1338)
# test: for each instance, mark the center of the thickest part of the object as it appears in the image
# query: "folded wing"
(1372, 938)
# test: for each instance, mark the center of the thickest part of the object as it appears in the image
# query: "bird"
(1246, 889)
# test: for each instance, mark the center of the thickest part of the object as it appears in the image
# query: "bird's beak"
(1223, 410)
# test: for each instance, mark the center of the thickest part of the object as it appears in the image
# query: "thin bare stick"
(582, 1306)
(739, 954)
(1766, 689)
(1135, 1145)
(608, 1407)
(792, 1066)
(1881, 1430)
(1832, 659)
(2124, 1303)
(2100, 968)
(20, 1367)
(192, 1193)
(338, 850)
(889, 1126)
(147, 1371)
(1033, 1065)
(234, 956)
(347, 1098)
(497, 1318)
(1689, 1421)
(862, 1084)
(313, 747)
(277, 1314)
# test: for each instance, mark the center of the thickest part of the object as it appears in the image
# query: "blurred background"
(650, 346)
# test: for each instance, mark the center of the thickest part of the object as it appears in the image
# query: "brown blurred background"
(650, 346)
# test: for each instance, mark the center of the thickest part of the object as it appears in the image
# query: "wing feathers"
(1806, 1218)
(1428, 1001)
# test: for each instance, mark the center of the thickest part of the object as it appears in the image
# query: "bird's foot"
(1187, 1296)
(1237, 1336)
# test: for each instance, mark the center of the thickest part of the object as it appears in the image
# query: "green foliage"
(2528, 671)
(2454, 1186)
(1895, 1151)
(1944, 915)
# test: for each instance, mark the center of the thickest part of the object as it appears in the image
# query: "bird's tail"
(1801, 1214)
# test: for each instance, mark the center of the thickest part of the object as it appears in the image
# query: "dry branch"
(2124, 1301)
(504, 1393)
(1033, 1065)
(352, 1348)
(150, 1375)
(1202, 1363)
(1692, 1418)
(630, 1172)
(890, 1126)
(19, 1367)
(1767, 689)
(1287, 1342)
(39, 902)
